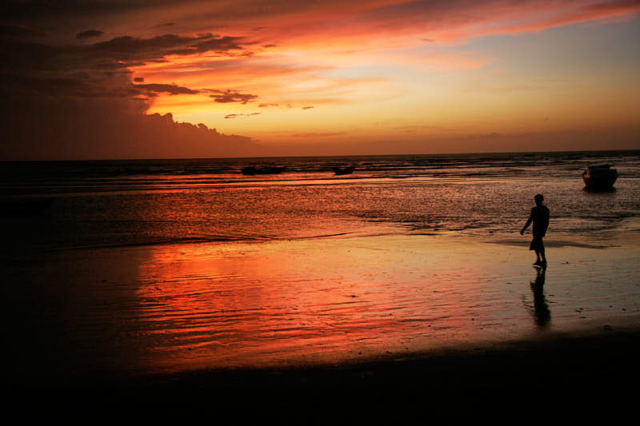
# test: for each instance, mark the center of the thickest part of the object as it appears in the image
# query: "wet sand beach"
(576, 368)
(371, 314)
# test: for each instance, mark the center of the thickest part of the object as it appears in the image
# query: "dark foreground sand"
(587, 379)
(600, 364)
(594, 363)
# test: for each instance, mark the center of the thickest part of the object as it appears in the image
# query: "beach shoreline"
(436, 312)
(595, 366)
(589, 359)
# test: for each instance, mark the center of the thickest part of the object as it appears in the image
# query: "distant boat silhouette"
(344, 170)
(266, 170)
(24, 206)
(600, 177)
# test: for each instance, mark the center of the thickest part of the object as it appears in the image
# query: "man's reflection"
(541, 312)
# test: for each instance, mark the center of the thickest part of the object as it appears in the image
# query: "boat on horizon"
(344, 170)
(266, 170)
(599, 177)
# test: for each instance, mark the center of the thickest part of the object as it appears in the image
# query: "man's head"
(539, 199)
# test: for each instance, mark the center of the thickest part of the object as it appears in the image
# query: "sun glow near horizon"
(415, 87)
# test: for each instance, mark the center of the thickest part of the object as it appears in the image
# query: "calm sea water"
(115, 203)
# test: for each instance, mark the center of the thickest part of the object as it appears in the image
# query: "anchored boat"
(344, 170)
(253, 170)
(600, 177)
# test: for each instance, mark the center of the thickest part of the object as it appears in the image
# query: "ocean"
(146, 267)
(145, 202)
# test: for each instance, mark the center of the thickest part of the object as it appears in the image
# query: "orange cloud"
(387, 24)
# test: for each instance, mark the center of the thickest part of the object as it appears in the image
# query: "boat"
(344, 170)
(266, 170)
(600, 177)
(24, 206)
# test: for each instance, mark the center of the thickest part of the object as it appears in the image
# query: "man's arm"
(526, 225)
(546, 222)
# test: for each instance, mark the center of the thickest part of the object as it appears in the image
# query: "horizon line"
(330, 156)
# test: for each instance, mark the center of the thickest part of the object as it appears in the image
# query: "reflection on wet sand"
(541, 311)
(208, 306)
(306, 302)
(183, 307)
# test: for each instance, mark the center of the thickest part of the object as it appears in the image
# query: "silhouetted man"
(540, 218)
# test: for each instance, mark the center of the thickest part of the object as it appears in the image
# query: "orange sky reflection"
(207, 306)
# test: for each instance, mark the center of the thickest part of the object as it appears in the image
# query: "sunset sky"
(84, 80)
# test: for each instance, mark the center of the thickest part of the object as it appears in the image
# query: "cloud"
(102, 68)
(286, 106)
(70, 101)
(206, 43)
(316, 135)
(164, 25)
(421, 128)
(19, 32)
(170, 89)
(230, 116)
(616, 6)
(81, 129)
(135, 50)
(358, 22)
(230, 96)
(381, 24)
(98, 65)
(89, 34)
(561, 15)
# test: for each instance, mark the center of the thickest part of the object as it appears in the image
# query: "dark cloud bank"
(89, 34)
(77, 100)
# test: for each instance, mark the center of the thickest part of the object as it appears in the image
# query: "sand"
(375, 315)
(597, 363)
